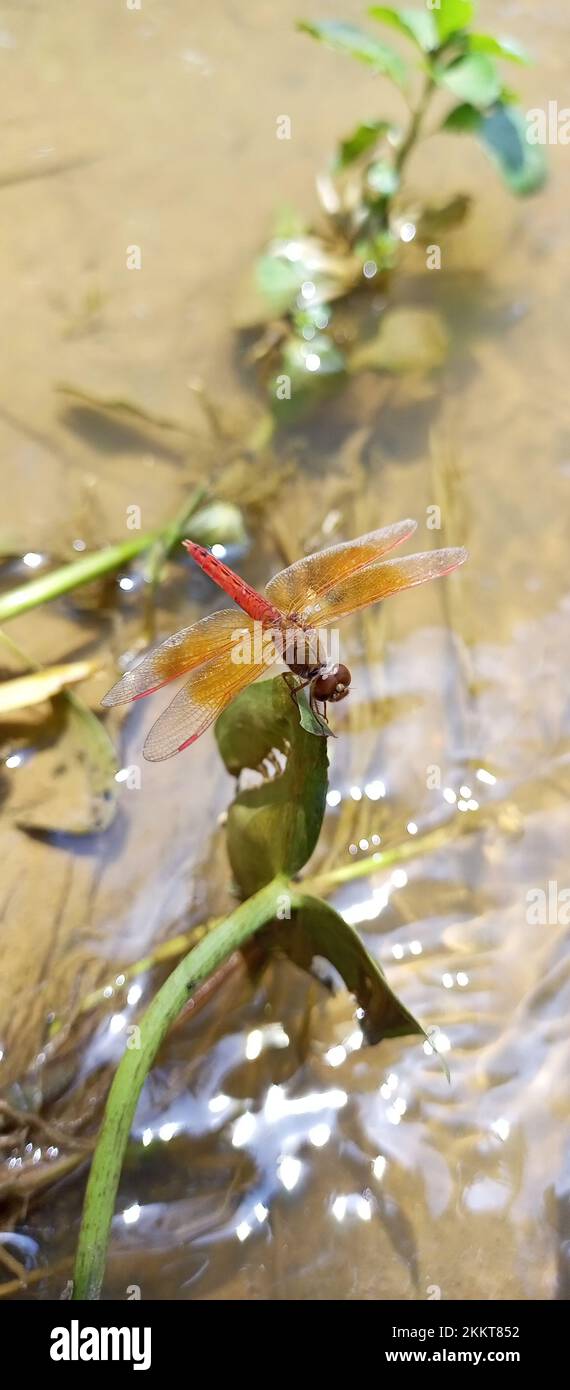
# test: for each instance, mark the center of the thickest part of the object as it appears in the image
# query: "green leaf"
(417, 25)
(274, 287)
(503, 134)
(474, 78)
(274, 827)
(508, 49)
(347, 38)
(463, 120)
(309, 719)
(318, 931)
(408, 340)
(451, 16)
(363, 139)
(266, 292)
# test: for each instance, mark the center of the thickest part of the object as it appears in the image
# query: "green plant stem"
(90, 567)
(168, 950)
(68, 577)
(415, 125)
(320, 885)
(170, 534)
(123, 1097)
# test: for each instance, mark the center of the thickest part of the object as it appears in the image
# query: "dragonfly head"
(332, 685)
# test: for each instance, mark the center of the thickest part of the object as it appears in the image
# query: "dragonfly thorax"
(303, 650)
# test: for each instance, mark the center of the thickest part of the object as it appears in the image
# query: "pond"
(274, 1155)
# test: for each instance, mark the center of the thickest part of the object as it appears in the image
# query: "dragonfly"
(226, 651)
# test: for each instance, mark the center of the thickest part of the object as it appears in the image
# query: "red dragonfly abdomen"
(252, 603)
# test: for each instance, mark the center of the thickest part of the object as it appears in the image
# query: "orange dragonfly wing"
(190, 647)
(298, 589)
(207, 692)
(380, 581)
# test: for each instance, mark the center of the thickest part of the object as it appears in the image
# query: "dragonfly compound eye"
(332, 685)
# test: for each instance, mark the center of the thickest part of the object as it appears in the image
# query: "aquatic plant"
(271, 832)
(370, 217)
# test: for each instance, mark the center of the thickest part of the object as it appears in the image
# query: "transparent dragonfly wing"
(207, 692)
(297, 590)
(380, 581)
(185, 650)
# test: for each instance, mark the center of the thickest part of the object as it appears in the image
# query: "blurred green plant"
(83, 738)
(207, 524)
(303, 273)
(272, 830)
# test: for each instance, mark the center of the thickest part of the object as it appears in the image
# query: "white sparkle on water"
(375, 790)
(243, 1130)
(483, 776)
(289, 1171)
(131, 1214)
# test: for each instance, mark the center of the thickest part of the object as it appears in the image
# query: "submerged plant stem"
(73, 576)
(123, 1097)
(91, 567)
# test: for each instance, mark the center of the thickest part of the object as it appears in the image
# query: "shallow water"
(317, 1168)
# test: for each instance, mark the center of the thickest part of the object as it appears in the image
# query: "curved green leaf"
(504, 135)
(272, 828)
(273, 288)
(463, 120)
(502, 132)
(451, 16)
(508, 49)
(417, 25)
(363, 139)
(356, 43)
(308, 718)
(474, 78)
(318, 931)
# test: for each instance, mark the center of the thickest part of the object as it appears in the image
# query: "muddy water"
(272, 1156)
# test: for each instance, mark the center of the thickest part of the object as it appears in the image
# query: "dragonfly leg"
(315, 706)
(294, 689)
